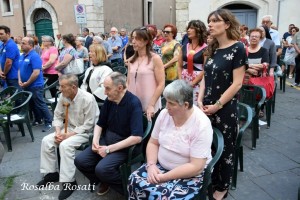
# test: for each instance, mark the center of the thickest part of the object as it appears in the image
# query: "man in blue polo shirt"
(31, 79)
(9, 58)
(122, 119)
(116, 44)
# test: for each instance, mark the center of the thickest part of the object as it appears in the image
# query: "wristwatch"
(107, 151)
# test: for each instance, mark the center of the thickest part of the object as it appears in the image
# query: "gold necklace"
(193, 49)
(137, 69)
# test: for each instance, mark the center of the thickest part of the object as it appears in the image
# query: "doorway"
(43, 23)
(245, 14)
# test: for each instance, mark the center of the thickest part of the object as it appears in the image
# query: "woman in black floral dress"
(224, 72)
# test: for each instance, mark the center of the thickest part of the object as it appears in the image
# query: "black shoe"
(68, 189)
(48, 178)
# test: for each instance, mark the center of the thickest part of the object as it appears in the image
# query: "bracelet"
(219, 104)
(148, 165)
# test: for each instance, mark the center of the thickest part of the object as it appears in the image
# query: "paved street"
(271, 172)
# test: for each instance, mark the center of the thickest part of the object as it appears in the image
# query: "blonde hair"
(100, 52)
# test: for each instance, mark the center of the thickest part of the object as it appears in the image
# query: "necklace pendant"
(192, 52)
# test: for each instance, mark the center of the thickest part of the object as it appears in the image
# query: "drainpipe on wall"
(143, 12)
(278, 13)
(23, 18)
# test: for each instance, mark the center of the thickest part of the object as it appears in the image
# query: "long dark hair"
(233, 32)
(143, 34)
(201, 31)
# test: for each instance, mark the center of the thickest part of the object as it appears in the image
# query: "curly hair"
(201, 31)
(232, 31)
(173, 29)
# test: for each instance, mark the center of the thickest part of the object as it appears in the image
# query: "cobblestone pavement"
(271, 172)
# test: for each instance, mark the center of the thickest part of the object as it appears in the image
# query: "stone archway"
(30, 16)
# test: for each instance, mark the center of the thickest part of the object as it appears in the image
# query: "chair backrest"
(245, 116)
(146, 126)
(53, 85)
(121, 69)
(252, 95)
(80, 79)
(218, 143)
(21, 102)
(8, 93)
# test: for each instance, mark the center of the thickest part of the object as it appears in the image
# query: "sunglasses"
(167, 32)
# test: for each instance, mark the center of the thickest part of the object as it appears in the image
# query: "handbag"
(265, 81)
(75, 66)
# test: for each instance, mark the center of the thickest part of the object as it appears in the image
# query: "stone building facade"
(52, 16)
(249, 12)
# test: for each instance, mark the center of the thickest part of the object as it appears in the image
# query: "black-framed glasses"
(167, 32)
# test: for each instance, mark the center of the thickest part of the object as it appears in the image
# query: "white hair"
(98, 39)
(268, 16)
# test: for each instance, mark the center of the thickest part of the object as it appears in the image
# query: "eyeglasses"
(215, 20)
(254, 36)
(265, 21)
(167, 32)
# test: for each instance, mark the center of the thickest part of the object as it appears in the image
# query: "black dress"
(218, 78)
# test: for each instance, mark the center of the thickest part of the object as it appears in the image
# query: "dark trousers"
(38, 105)
(104, 170)
(13, 82)
(297, 68)
(51, 79)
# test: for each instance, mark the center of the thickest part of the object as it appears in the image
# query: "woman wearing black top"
(223, 78)
(258, 57)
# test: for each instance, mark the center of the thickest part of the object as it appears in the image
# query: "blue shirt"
(27, 64)
(125, 118)
(115, 41)
(124, 41)
(10, 50)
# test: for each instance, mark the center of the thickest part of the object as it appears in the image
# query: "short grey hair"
(98, 39)
(179, 91)
(118, 79)
(71, 78)
(81, 39)
(49, 39)
(268, 17)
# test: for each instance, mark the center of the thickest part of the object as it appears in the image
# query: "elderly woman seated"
(178, 151)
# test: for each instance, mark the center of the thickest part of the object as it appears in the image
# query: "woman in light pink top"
(146, 77)
(178, 151)
(49, 59)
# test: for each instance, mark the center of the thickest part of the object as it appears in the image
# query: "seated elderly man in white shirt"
(79, 111)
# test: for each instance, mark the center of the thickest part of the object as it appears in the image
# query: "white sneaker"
(295, 85)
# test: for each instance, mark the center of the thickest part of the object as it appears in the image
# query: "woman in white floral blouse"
(224, 72)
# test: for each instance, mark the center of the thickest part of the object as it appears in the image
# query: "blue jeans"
(38, 105)
(13, 82)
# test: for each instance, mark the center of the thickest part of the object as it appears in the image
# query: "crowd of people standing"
(199, 78)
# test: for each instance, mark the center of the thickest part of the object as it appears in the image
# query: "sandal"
(261, 114)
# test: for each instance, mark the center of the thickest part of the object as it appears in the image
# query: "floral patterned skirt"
(189, 78)
(139, 188)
